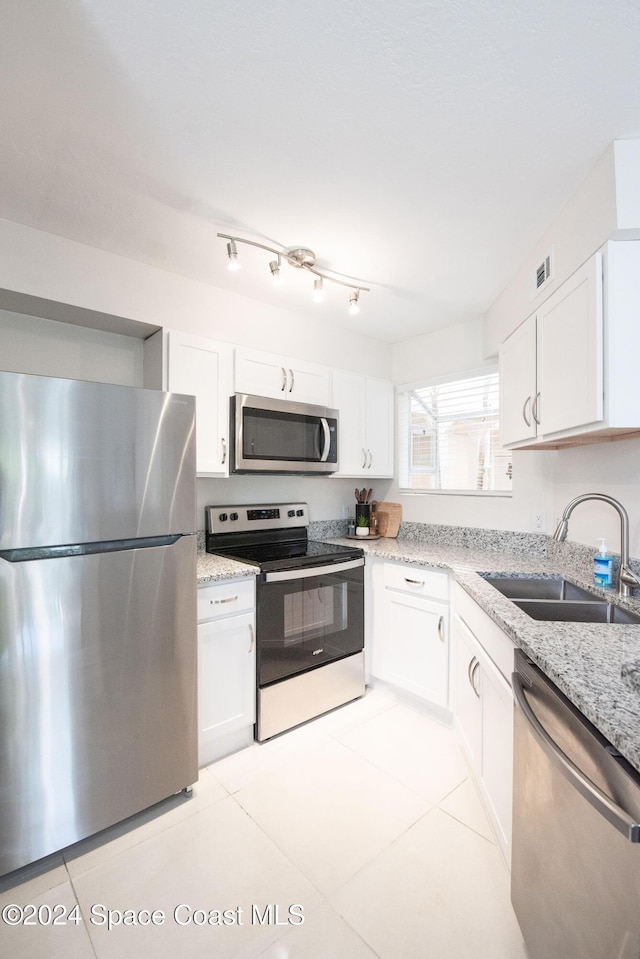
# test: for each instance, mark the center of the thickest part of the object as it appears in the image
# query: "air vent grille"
(543, 272)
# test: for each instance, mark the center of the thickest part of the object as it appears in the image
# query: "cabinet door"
(518, 384)
(280, 377)
(226, 679)
(379, 435)
(497, 751)
(415, 651)
(570, 352)
(199, 366)
(467, 691)
(261, 374)
(365, 434)
(349, 397)
(309, 382)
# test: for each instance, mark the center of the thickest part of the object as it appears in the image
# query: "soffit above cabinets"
(421, 148)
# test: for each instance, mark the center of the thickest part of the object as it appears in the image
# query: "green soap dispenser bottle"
(602, 566)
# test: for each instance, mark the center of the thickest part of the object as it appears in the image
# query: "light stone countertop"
(213, 569)
(585, 660)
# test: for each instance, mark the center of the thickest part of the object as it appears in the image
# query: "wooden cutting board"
(389, 518)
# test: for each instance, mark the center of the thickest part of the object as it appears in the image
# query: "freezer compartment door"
(97, 692)
(85, 462)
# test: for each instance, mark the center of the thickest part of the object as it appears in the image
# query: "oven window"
(305, 623)
(310, 614)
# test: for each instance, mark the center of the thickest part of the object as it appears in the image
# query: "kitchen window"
(449, 436)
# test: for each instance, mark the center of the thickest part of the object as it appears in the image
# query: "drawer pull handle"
(441, 629)
(253, 638)
(414, 582)
(228, 599)
(224, 451)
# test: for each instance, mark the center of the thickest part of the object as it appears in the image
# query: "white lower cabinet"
(483, 708)
(226, 668)
(411, 643)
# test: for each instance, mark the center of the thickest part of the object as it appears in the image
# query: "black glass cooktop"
(290, 555)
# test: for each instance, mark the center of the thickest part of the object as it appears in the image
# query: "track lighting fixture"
(302, 259)
(232, 253)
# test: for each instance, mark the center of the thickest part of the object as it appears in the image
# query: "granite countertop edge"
(216, 569)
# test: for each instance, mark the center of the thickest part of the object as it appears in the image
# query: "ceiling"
(420, 148)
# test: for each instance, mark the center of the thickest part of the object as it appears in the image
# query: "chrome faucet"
(626, 579)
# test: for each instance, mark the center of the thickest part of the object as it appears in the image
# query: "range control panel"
(227, 519)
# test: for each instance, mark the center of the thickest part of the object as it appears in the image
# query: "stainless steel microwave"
(281, 436)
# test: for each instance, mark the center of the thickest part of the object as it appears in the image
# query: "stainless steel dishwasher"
(575, 871)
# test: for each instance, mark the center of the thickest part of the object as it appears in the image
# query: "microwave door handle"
(327, 440)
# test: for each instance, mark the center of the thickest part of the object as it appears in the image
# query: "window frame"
(403, 432)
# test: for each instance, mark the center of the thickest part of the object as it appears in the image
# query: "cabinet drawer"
(224, 599)
(417, 580)
(498, 646)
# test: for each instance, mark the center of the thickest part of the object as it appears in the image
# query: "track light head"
(318, 293)
(232, 253)
(354, 305)
(274, 266)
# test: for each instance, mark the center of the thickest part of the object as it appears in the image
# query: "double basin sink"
(554, 599)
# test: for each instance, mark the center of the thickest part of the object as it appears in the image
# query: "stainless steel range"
(310, 611)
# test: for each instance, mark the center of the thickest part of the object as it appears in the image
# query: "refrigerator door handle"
(30, 553)
(605, 806)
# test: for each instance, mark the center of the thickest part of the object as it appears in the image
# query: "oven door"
(308, 617)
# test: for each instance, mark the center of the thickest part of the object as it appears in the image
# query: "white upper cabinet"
(280, 377)
(365, 430)
(518, 385)
(567, 374)
(201, 367)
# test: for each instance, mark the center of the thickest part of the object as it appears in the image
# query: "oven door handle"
(306, 572)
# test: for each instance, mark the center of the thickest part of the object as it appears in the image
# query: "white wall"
(605, 206)
(612, 468)
(39, 265)
(51, 267)
(35, 345)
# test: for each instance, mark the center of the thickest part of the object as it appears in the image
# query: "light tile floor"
(365, 820)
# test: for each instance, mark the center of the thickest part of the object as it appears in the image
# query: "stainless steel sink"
(555, 599)
(575, 611)
(539, 587)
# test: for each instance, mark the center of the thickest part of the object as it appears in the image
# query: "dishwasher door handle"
(605, 806)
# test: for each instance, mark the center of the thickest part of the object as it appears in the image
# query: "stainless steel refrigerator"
(97, 608)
